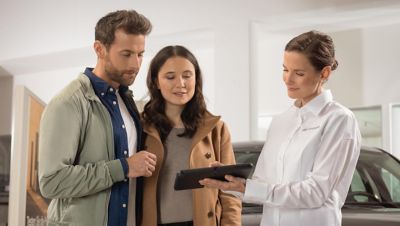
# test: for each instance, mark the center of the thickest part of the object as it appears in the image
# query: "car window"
(392, 182)
(357, 185)
(376, 179)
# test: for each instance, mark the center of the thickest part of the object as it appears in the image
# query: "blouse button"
(208, 155)
(210, 214)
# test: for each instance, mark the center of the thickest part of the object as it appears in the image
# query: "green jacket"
(76, 156)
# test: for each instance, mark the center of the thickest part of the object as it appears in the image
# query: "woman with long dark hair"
(183, 134)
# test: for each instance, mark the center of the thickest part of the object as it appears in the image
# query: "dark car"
(374, 194)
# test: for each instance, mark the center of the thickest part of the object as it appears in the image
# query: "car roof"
(371, 149)
(248, 146)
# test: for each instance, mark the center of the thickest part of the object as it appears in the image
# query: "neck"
(301, 102)
(173, 113)
(100, 72)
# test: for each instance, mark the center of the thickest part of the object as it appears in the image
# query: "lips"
(179, 93)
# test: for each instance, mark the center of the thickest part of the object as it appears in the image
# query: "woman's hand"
(232, 184)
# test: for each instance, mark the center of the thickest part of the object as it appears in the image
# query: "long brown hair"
(154, 110)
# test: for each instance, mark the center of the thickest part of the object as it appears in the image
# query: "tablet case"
(189, 179)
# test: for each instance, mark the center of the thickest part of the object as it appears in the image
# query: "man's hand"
(142, 163)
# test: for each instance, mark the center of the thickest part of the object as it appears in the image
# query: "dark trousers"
(187, 223)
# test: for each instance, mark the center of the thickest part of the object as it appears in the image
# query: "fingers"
(150, 161)
(214, 164)
(148, 173)
(149, 158)
(142, 163)
(211, 183)
(236, 180)
(233, 179)
(151, 166)
(232, 183)
(150, 155)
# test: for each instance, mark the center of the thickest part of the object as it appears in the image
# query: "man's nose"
(135, 61)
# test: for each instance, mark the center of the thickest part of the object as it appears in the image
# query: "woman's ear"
(99, 48)
(325, 73)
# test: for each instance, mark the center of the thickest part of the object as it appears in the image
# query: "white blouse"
(306, 166)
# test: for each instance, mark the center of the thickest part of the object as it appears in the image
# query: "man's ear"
(100, 49)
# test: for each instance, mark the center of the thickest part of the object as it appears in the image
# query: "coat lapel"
(209, 122)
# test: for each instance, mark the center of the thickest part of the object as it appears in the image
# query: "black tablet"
(189, 179)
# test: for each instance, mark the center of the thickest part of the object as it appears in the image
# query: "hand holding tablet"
(189, 179)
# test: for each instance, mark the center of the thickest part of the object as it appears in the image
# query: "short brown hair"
(317, 47)
(129, 21)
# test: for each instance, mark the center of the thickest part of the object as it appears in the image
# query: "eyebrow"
(130, 51)
(295, 69)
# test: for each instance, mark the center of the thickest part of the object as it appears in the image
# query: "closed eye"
(170, 75)
(187, 74)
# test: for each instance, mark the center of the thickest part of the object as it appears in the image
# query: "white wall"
(6, 85)
(346, 82)
(268, 91)
(232, 76)
(381, 54)
(47, 82)
(58, 42)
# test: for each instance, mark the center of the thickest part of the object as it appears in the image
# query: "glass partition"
(370, 123)
(395, 129)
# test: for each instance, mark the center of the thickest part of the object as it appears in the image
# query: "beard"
(122, 77)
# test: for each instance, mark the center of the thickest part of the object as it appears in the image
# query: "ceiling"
(46, 35)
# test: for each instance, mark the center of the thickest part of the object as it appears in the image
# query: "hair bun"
(334, 65)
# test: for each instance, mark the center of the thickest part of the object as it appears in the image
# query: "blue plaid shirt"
(118, 205)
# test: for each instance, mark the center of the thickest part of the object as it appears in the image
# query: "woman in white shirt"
(305, 168)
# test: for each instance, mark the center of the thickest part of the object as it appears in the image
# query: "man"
(91, 158)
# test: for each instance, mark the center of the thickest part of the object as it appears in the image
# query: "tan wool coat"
(211, 207)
